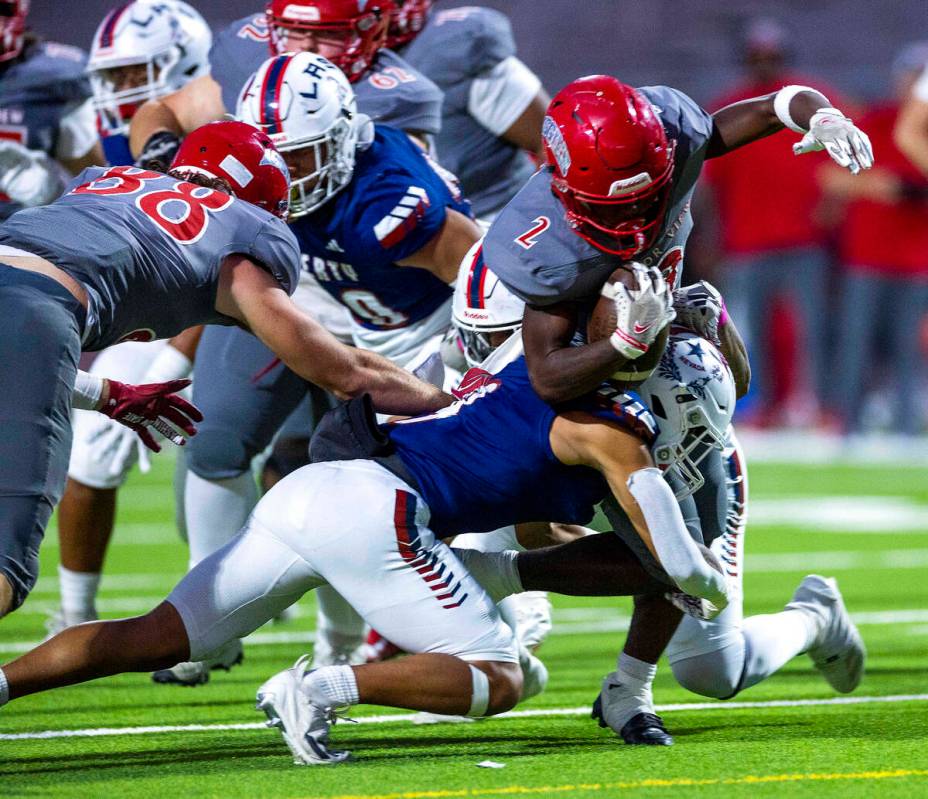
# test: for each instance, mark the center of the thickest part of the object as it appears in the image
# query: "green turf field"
(868, 527)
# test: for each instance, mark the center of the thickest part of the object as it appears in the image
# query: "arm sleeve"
(500, 96)
(77, 132)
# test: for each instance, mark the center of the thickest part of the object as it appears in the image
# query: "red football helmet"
(611, 163)
(242, 156)
(12, 27)
(347, 32)
(407, 21)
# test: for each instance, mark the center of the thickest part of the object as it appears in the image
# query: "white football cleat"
(349, 652)
(838, 651)
(304, 724)
(60, 621)
(534, 674)
(197, 672)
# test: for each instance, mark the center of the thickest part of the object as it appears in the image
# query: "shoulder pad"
(459, 44)
(395, 93)
(684, 120)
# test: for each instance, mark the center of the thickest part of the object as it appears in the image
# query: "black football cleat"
(646, 729)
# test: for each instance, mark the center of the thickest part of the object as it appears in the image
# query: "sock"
(497, 572)
(339, 628)
(78, 593)
(332, 686)
(4, 689)
(215, 511)
(631, 693)
(773, 639)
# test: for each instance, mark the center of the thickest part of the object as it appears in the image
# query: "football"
(602, 323)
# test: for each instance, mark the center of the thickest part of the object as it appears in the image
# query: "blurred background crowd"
(826, 274)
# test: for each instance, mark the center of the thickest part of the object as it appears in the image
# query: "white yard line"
(516, 714)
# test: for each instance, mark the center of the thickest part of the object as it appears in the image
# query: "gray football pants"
(39, 350)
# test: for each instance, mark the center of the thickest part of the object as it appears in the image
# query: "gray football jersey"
(148, 249)
(456, 47)
(391, 92)
(45, 84)
(538, 256)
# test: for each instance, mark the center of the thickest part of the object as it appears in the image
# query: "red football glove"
(155, 406)
(474, 379)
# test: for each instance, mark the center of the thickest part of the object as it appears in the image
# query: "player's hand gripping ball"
(634, 313)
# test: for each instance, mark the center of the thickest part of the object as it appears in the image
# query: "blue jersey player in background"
(380, 227)
(494, 104)
(47, 130)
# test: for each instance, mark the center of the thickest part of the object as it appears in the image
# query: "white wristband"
(88, 389)
(169, 364)
(781, 105)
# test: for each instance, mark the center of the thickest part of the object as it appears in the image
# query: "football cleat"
(534, 674)
(303, 723)
(838, 651)
(641, 729)
(347, 652)
(61, 621)
(197, 672)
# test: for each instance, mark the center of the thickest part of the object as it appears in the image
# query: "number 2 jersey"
(148, 249)
(487, 462)
(395, 204)
(391, 92)
(534, 251)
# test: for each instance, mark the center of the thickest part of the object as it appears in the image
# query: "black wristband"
(159, 151)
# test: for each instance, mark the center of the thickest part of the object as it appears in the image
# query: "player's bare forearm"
(188, 341)
(196, 104)
(153, 117)
(525, 132)
(442, 256)
(742, 123)
(392, 389)
(560, 372)
(732, 346)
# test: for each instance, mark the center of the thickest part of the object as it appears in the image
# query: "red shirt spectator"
(883, 236)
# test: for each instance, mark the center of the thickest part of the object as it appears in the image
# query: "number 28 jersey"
(396, 203)
(148, 249)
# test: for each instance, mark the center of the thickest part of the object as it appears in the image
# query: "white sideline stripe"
(515, 714)
(839, 513)
(584, 621)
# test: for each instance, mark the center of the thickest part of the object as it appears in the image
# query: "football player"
(90, 270)
(382, 230)
(692, 396)
(47, 127)
(389, 495)
(494, 104)
(140, 51)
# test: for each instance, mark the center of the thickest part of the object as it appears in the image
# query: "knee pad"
(715, 674)
(480, 693)
(218, 454)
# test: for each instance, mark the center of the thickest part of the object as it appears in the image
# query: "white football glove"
(117, 447)
(833, 132)
(640, 313)
(699, 308)
(29, 177)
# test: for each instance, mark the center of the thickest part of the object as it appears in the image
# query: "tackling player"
(47, 125)
(494, 104)
(389, 495)
(88, 271)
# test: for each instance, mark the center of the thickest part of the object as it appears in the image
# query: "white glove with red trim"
(833, 132)
(640, 313)
(699, 308)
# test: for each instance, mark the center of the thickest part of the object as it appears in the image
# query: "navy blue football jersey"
(116, 149)
(148, 249)
(395, 204)
(540, 258)
(391, 92)
(487, 462)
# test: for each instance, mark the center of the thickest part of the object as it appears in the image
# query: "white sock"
(773, 639)
(4, 689)
(497, 572)
(632, 694)
(332, 686)
(215, 511)
(78, 593)
(338, 625)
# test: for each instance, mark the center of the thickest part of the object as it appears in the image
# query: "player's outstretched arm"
(443, 255)
(248, 293)
(644, 495)
(801, 109)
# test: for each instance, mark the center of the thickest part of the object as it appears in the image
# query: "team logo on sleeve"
(403, 219)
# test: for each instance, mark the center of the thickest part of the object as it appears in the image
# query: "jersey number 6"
(181, 211)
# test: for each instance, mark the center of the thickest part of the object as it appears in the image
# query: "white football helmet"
(143, 51)
(304, 102)
(482, 305)
(692, 395)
